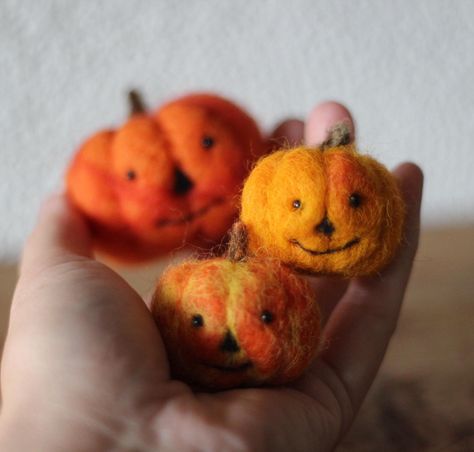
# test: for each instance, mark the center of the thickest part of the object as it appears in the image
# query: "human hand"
(84, 367)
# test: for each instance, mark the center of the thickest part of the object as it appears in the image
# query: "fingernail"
(322, 119)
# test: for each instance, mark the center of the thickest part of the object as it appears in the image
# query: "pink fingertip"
(323, 118)
(55, 202)
(288, 133)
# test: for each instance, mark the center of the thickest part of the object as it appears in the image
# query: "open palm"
(84, 367)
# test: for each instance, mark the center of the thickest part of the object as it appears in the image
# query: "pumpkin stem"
(237, 250)
(339, 135)
(137, 105)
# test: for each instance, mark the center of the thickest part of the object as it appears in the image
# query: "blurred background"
(405, 69)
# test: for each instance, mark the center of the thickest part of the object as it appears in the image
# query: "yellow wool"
(329, 211)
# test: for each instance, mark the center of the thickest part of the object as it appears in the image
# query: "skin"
(84, 368)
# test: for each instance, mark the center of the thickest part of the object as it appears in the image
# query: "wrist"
(36, 430)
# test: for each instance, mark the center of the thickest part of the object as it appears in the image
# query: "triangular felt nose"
(229, 344)
(182, 183)
(325, 227)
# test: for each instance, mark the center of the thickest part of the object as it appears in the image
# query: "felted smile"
(162, 222)
(238, 368)
(329, 251)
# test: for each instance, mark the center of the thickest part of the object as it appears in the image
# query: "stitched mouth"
(329, 251)
(239, 368)
(191, 216)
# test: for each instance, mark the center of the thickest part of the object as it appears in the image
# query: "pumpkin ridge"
(148, 150)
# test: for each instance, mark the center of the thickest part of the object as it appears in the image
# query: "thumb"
(60, 233)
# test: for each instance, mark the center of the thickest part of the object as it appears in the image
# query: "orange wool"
(323, 210)
(228, 324)
(165, 179)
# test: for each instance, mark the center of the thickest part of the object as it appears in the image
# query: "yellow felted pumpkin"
(326, 209)
(228, 322)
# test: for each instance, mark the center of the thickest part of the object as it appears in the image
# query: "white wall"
(405, 68)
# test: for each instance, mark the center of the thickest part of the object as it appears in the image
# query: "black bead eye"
(131, 175)
(207, 142)
(266, 317)
(355, 200)
(197, 321)
(296, 204)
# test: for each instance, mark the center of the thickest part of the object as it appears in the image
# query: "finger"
(288, 133)
(323, 118)
(329, 290)
(59, 233)
(363, 322)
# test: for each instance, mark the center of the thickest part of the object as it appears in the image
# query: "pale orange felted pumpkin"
(166, 179)
(228, 323)
(326, 209)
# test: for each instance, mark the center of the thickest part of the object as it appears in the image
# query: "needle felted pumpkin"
(227, 322)
(164, 179)
(324, 210)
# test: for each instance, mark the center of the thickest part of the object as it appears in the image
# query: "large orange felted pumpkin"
(324, 210)
(228, 323)
(165, 179)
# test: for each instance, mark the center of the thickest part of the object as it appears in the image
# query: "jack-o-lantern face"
(167, 179)
(227, 324)
(326, 211)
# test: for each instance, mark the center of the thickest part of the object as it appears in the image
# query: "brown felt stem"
(137, 105)
(237, 250)
(339, 135)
